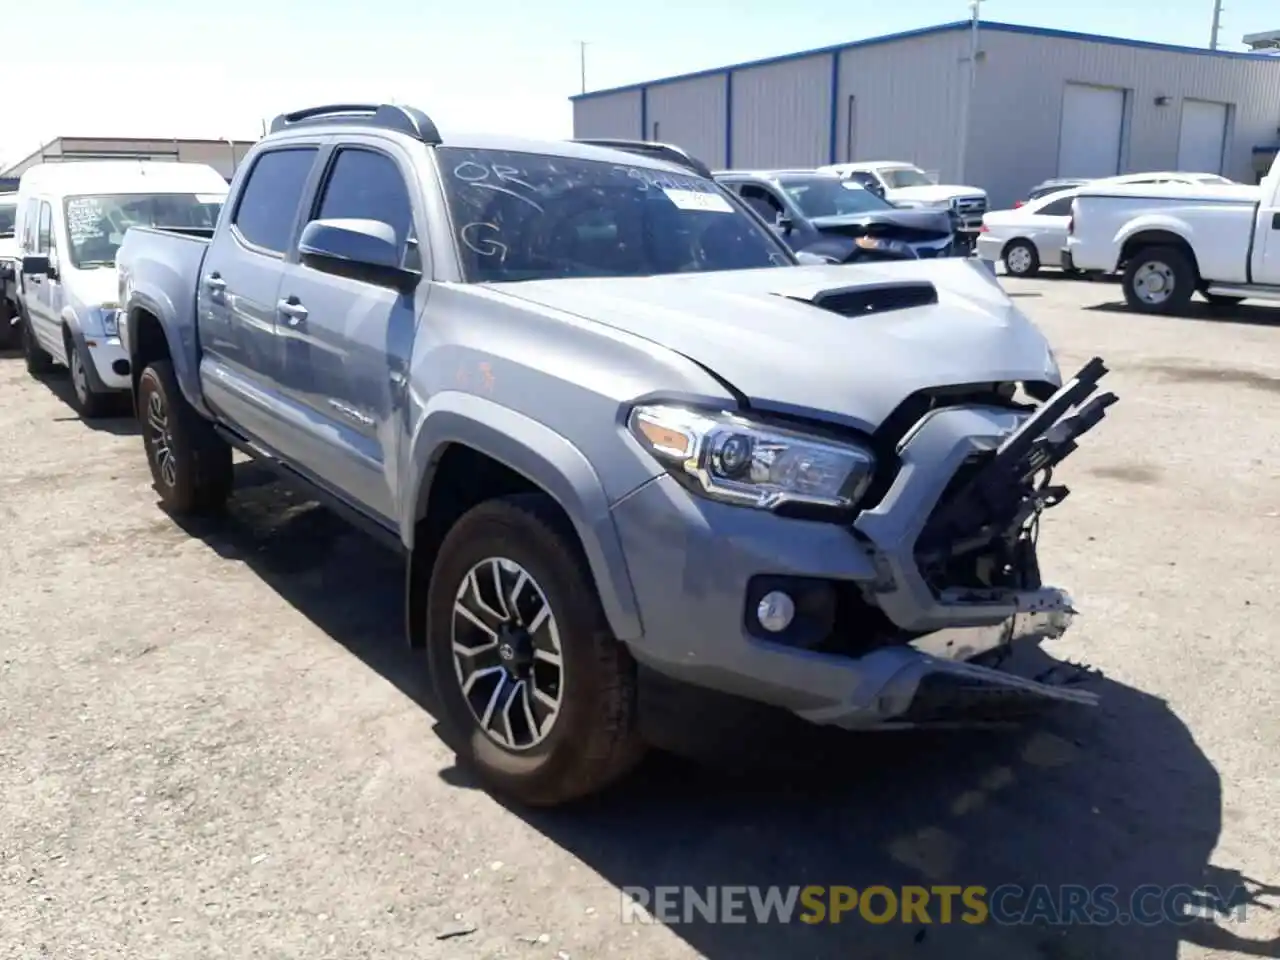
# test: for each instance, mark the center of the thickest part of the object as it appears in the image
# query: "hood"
(91, 288)
(910, 224)
(749, 328)
(935, 192)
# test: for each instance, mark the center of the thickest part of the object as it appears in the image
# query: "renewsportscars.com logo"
(1009, 904)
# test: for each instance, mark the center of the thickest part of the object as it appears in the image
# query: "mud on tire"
(190, 464)
(591, 739)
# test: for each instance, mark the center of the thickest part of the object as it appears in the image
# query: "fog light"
(776, 611)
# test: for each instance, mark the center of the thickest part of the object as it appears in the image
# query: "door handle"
(214, 283)
(1275, 221)
(292, 309)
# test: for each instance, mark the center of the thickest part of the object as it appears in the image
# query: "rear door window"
(267, 209)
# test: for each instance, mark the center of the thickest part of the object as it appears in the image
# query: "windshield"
(96, 225)
(8, 212)
(829, 197)
(897, 177)
(524, 216)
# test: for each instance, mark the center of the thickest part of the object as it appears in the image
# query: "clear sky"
(177, 68)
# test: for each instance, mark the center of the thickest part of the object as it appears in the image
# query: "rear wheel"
(1159, 280)
(534, 691)
(190, 464)
(1021, 259)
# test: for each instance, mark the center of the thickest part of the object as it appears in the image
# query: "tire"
(1169, 267)
(1221, 300)
(197, 476)
(591, 739)
(1021, 259)
(38, 362)
(90, 404)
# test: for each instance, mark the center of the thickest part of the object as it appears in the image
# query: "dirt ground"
(213, 742)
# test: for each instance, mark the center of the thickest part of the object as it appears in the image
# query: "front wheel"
(89, 403)
(1159, 280)
(9, 331)
(190, 464)
(535, 693)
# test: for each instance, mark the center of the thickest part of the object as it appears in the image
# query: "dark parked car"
(1051, 186)
(821, 214)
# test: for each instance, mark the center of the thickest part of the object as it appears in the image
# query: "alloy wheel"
(160, 439)
(506, 653)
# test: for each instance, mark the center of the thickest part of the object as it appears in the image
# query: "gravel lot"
(213, 743)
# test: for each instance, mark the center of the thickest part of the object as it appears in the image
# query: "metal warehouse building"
(1040, 103)
(223, 155)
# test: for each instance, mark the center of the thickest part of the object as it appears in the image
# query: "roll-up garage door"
(1092, 125)
(1202, 136)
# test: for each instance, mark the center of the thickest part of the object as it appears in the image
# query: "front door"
(44, 293)
(345, 341)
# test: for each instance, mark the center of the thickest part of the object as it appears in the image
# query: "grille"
(969, 206)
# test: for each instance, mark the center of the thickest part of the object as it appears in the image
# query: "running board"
(1253, 291)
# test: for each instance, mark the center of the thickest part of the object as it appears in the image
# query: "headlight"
(735, 460)
(110, 321)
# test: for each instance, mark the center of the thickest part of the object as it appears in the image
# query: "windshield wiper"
(87, 264)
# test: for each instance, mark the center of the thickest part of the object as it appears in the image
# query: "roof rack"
(650, 148)
(384, 116)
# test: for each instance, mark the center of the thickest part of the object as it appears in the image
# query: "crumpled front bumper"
(940, 678)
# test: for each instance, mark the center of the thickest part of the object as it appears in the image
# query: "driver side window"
(762, 201)
(44, 236)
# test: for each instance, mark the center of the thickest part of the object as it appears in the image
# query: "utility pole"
(1217, 20)
(967, 103)
(582, 63)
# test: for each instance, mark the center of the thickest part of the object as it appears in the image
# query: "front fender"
(180, 337)
(545, 458)
(71, 323)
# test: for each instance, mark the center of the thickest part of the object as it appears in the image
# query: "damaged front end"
(955, 552)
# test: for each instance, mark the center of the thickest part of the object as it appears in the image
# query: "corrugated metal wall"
(907, 99)
(782, 114)
(610, 115)
(1013, 140)
(690, 114)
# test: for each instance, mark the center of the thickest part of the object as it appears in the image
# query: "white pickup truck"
(1172, 241)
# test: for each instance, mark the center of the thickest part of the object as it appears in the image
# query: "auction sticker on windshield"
(698, 200)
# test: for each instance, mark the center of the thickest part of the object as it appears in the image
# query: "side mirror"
(360, 249)
(36, 265)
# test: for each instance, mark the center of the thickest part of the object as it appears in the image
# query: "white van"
(72, 217)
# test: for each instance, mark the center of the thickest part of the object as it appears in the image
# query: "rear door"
(346, 341)
(241, 357)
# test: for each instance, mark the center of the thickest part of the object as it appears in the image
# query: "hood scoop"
(860, 300)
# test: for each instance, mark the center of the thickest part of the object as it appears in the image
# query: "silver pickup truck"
(621, 435)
